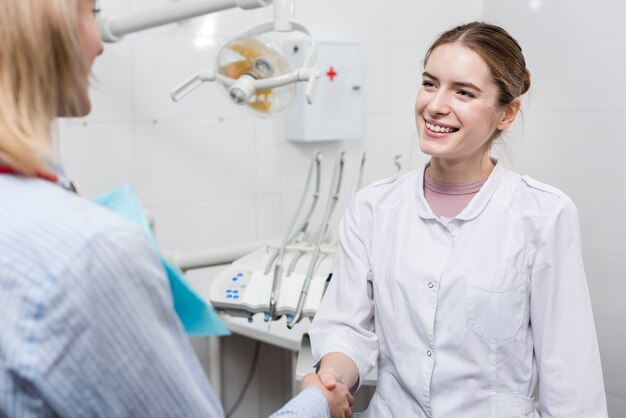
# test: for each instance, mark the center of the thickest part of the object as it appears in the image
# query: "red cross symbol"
(331, 73)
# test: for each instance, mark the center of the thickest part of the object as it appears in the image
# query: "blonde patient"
(86, 313)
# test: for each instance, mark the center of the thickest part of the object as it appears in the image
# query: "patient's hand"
(337, 395)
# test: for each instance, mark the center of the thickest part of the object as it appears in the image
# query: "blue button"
(235, 279)
(229, 291)
(229, 296)
(239, 274)
(235, 291)
(236, 297)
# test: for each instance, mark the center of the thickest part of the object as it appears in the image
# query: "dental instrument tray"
(243, 288)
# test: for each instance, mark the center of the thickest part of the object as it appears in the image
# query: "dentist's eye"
(466, 93)
(428, 84)
(95, 11)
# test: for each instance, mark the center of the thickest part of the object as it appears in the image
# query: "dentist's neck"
(460, 172)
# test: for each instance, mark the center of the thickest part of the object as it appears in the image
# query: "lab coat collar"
(475, 206)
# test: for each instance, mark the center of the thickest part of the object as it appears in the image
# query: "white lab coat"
(464, 316)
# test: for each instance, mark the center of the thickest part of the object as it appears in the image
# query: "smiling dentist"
(463, 281)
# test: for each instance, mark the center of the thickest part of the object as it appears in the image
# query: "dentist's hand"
(328, 378)
(337, 395)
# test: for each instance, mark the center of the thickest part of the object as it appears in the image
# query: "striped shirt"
(87, 326)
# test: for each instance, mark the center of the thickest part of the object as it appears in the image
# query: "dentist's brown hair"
(498, 49)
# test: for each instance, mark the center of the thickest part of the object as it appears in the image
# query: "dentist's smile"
(438, 130)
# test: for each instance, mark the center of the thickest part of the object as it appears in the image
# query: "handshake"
(337, 394)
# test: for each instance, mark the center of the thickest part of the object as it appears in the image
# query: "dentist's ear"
(509, 113)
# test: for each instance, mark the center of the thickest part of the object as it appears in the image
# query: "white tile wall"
(191, 161)
(587, 19)
(112, 85)
(606, 285)
(377, 89)
(270, 134)
(536, 149)
(406, 74)
(378, 143)
(528, 19)
(591, 60)
(405, 141)
(269, 218)
(600, 210)
(198, 226)
(419, 21)
(591, 150)
(213, 175)
(349, 20)
(162, 62)
(612, 347)
(99, 156)
(617, 406)
(545, 59)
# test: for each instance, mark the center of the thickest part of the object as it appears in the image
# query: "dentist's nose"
(439, 103)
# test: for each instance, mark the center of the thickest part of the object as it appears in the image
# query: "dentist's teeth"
(437, 128)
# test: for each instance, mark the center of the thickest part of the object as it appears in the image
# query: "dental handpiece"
(275, 289)
(297, 316)
(332, 202)
(290, 235)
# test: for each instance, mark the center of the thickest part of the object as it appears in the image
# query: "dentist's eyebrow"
(429, 75)
(461, 84)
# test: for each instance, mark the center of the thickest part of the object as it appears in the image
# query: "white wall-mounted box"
(337, 111)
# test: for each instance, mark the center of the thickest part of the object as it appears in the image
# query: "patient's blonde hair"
(42, 72)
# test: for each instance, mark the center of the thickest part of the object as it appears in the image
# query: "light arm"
(113, 29)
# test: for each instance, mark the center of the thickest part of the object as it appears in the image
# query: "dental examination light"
(254, 73)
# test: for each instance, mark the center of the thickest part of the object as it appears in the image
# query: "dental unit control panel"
(243, 288)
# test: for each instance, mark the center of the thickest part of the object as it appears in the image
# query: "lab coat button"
(429, 353)
(430, 285)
